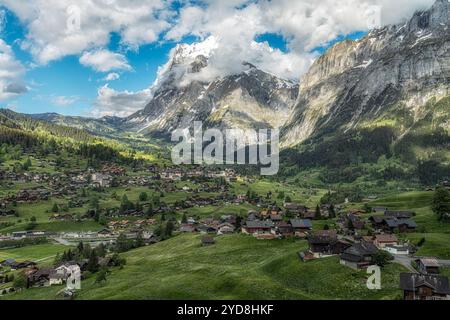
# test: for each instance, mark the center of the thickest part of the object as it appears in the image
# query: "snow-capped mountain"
(187, 90)
(398, 69)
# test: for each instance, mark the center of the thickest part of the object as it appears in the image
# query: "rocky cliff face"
(183, 94)
(355, 82)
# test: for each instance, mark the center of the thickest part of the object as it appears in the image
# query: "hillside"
(378, 107)
(181, 268)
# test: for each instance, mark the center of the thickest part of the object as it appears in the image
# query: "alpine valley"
(364, 180)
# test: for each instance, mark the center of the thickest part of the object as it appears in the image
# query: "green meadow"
(236, 267)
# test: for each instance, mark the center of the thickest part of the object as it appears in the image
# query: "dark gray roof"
(410, 281)
(399, 214)
(358, 251)
(259, 224)
(301, 223)
(394, 223)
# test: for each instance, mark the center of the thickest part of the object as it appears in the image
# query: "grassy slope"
(34, 253)
(436, 234)
(237, 267)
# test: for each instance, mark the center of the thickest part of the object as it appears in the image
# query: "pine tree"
(318, 214)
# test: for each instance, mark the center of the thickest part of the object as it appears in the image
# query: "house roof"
(259, 224)
(429, 262)
(386, 238)
(301, 223)
(395, 223)
(411, 281)
(399, 214)
(359, 250)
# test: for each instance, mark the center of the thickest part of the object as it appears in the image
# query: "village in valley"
(88, 220)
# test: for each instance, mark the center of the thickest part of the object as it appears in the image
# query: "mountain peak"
(437, 17)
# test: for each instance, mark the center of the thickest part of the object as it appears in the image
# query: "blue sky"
(65, 72)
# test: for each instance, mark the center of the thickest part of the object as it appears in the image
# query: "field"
(236, 267)
(435, 233)
(38, 253)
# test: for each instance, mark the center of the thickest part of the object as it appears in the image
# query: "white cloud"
(104, 60)
(11, 72)
(305, 24)
(111, 77)
(53, 24)
(63, 101)
(110, 102)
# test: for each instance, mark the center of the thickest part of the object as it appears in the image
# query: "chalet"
(225, 228)
(356, 221)
(208, 241)
(382, 240)
(40, 278)
(401, 225)
(22, 265)
(309, 214)
(390, 224)
(427, 265)
(67, 269)
(424, 287)
(359, 255)
(258, 227)
(204, 228)
(301, 227)
(326, 242)
(295, 208)
(285, 229)
(186, 228)
(101, 180)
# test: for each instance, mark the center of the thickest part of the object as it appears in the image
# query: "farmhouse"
(101, 180)
(285, 229)
(40, 278)
(428, 265)
(326, 242)
(424, 287)
(301, 227)
(390, 224)
(22, 265)
(382, 240)
(226, 228)
(359, 255)
(258, 227)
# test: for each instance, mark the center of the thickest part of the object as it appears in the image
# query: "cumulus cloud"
(57, 28)
(110, 102)
(104, 60)
(304, 24)
(111, 77)
(11, 72)
(63, 101)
